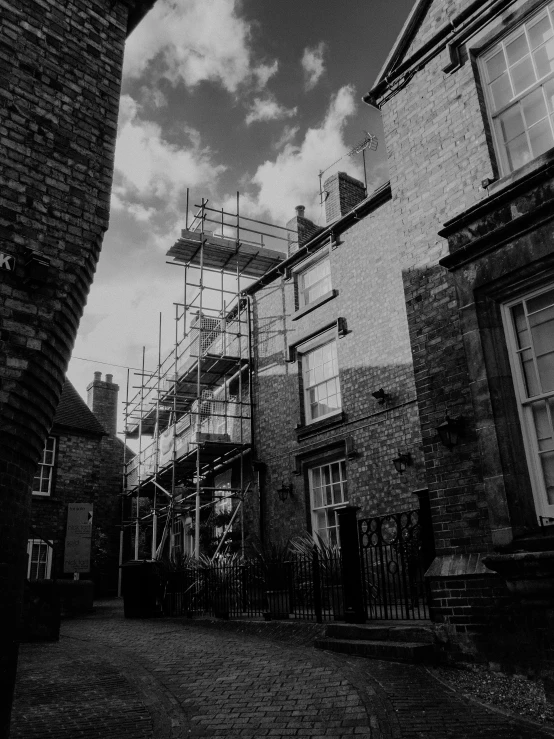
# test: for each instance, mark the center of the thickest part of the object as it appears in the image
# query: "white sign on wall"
(78, 538)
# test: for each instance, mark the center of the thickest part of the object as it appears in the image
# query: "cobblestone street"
(168, 678)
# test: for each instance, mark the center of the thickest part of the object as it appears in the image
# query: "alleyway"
(167, 679)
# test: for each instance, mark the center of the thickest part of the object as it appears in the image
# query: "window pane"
(542, 330)
(501, 90)
(496, 65)
(544, 58)
(540, 32)
(523, 75)
(528, 367)
(543, 429)
(517, 49)
(548, 88)
(544, 300)
(520, 323)
(547, 461)
(534, 107)
(518, 152)
(512, 123)
(545, 366)
(541, 138)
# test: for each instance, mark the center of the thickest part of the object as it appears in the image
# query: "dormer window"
(518, 73)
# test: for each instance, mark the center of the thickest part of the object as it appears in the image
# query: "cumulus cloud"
(151, 172)
(268, 109)
(313, 65)
(292, 178)
(196, 41)
(287, 136)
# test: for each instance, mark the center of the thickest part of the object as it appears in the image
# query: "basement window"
(518, 75)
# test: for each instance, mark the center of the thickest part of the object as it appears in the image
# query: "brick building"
(467, 109)
(59, 97)
(81, 463)
(329, 331)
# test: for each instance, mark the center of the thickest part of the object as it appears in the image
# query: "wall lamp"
(403, 460)
(450, 431)
(285, 491)
(381, 396)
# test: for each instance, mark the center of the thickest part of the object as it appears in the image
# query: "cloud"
(288, 134)
(151, 174)
(292, 178)
(313, 65)
(268, 109)
(196, 41)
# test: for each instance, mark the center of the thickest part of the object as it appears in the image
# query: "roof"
(404, 39)
(73, 413)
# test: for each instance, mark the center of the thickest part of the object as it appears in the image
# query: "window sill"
(519, 174)
(304, 431)
(312, 306)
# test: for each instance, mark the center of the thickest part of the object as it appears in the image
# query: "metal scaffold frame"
(197, 404)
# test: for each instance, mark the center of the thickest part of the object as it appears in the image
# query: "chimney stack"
(301, 229)
(342, 194)
(102, 400)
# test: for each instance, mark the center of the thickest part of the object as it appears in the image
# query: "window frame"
(493, 115)
(303, 351)
(48, 563)
(543, 509)
(334, 507)
(44, 466)
(304, 268)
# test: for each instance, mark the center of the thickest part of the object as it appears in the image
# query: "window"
(314, 282)
(327, 493)
(39, 559)
(519, 81)
(42, 484)
(320, 375)
(530, 328)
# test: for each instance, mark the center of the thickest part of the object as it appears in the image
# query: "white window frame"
(539, 83)
(304, 269)
(43, 546)
(328, 509)
(525, 402)
(304, 351)
(45, 471)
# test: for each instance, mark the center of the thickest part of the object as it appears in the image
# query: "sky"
(220, 96)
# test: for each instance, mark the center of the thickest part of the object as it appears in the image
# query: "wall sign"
(78, 537)
(7, 262)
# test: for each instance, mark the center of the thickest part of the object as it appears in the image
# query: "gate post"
(354, 610)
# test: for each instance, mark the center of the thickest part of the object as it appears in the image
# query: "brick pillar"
(102, 400)
(342, 193)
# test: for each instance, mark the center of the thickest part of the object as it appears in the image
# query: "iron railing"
(393, 566)
(307, 587)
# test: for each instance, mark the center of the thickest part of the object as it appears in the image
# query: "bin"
(139, 585)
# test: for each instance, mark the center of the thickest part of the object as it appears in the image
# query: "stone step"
(396, 651)
(382, 632)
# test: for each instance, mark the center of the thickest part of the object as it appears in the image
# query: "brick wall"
(61, 70)
(374, 353)
(438, 154)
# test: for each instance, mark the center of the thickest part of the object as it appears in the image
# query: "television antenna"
(369, 142)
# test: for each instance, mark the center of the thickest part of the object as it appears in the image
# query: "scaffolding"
(192, 415)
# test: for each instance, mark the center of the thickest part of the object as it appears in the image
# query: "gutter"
(442, 39)
(380, 196)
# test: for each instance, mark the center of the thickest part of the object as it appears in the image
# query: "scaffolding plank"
(222, 253)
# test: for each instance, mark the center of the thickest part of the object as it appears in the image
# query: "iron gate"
(393, 560)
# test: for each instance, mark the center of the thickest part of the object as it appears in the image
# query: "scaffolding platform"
(221, 253)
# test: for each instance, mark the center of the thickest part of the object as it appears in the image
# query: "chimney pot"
(109, 378)
(97, 376)
(300, 210)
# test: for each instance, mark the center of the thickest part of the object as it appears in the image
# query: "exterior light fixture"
(381, 396)
(403, 460)
(450, 431)
(284, 491)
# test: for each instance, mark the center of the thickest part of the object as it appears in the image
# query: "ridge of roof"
(403, 39)
(72, 412)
